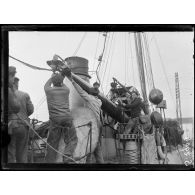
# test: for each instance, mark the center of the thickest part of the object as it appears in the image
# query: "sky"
(170, 52)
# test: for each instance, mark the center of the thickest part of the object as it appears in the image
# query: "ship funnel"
(78, 65)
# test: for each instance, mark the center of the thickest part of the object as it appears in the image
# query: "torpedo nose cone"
(155, 96)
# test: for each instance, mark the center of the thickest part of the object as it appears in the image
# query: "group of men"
(61, 121)
(138, 113)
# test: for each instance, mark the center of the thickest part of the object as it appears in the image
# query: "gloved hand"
(66, 72)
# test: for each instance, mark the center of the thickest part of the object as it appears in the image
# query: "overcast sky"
(176, 51)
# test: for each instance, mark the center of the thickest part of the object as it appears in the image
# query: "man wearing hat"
(13, 103)
(57, 94)
(157, 122)
(134, 105)
(94, 104)
(18, 146)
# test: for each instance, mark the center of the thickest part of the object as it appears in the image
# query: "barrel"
(128, 152)
(131, 155)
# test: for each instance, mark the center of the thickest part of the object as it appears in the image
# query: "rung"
(127, 136)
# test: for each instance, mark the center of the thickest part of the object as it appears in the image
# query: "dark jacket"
(13, 103)
(135, 107)
(26, 106)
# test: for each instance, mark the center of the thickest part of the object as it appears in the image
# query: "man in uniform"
(13, 105)
(18, 146)
(134, 105)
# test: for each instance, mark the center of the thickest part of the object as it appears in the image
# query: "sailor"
(13, 103)
(134, 105)
(112, 95)
(94, 104)
(157, 122)
(60, 117)
(13, 106)
(18, 146)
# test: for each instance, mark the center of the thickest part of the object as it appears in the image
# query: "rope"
(100, 61)
(140, 65)
(79, 45)
(125, 58)
(111, 58)
(97, 44)
(108, 58)
(149, 59)
(132, 59)
(30, 127)
(128, 60)
(29, 65)
(163, 67)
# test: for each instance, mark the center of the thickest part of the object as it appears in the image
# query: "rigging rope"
(79, 45)
(149, 59)
(108, 56)
(148, 75)
(29, 65)
(140, 65)
(128, 59)
(100, 59)
(125, 58)
(111, 58)
(132, 59)
(97, 44)
(163, 67)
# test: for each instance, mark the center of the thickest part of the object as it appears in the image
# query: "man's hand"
(66, 72)
(53, 75)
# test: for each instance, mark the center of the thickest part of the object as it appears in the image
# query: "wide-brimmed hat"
(55, 61)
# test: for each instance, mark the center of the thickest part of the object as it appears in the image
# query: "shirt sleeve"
(134, 104)
(81, 92)
(48, 85)
(29, 105)
(14, 105)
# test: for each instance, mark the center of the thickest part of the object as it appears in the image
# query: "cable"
(164, 71)
(79, 45)
(111, 58)
(97, 44)
(100, 59)
(149, 59)
(125, 53)
(108, 57)
(132, 59)
(29, 65)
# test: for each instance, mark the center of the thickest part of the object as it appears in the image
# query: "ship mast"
(178, 101)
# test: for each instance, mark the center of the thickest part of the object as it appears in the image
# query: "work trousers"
(18, 147)
(56, 131)
(97, 154)
(98, 150)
